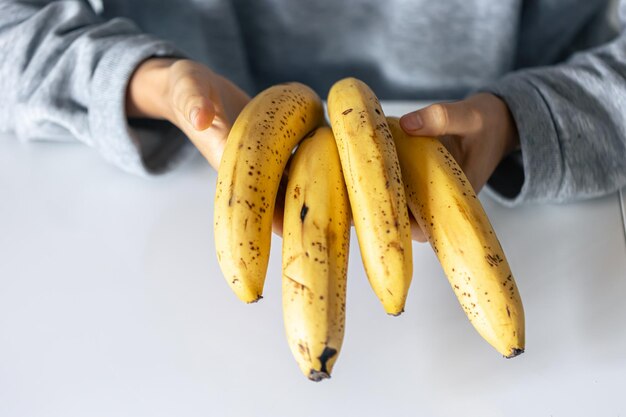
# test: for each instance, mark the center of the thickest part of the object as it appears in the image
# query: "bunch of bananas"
(364, 170)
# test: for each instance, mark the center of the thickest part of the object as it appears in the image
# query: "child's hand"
(202, 104)
(479, 132)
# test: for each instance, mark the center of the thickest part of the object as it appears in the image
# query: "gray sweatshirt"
(64, 67)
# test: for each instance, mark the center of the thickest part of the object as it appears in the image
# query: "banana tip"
(396, 314)
(515, 352)
(317, 376)
(256, 300)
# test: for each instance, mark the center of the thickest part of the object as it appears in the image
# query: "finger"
(210, 141)
(416, 231)
(234, 99)
(277, 221)
(192, 101)
(279, 207)
(457, 118)
(201, 116)
(198, 111)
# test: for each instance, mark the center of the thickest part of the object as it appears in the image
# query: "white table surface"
(112, 304)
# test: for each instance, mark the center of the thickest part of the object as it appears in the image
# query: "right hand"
(201, 103)
(478, 131)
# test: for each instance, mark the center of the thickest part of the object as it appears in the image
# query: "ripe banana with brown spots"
(316, 239)
(258, 147)
(446, 208)
(372, 174)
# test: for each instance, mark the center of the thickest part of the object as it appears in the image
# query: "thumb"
(192, 101)
(457, 118)
(199, 112)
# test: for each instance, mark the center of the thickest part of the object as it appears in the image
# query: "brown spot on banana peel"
(396, 245)
(304, 350)
(243, 263)
(462, 210)
(303, 212)
(494, 260)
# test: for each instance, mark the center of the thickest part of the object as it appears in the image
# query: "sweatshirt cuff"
(140, 149)
(537, 174)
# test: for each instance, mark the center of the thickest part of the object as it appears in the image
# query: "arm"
(65, 73)
(569, 120)
(572, 126)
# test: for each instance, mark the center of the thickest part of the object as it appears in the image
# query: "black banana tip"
(396, 314)
(257, 300)
(515, 352)
(317, 376)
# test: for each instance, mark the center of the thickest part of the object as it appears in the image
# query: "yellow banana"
(258, 147)
(316, 239)
(372, 174)
(445, 206)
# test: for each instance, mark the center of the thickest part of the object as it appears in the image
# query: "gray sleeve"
(63, 74)
(571, 120)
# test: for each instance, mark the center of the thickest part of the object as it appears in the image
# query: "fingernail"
(411, 121)
(193, 115)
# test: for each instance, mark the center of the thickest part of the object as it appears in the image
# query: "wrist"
(510, 133)
(146, 93)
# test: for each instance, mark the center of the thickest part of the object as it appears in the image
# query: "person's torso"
(405, 49)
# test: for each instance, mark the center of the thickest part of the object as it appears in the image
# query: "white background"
(112, 304)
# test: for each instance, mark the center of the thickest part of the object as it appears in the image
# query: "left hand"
(201, 103)
(478, 131)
